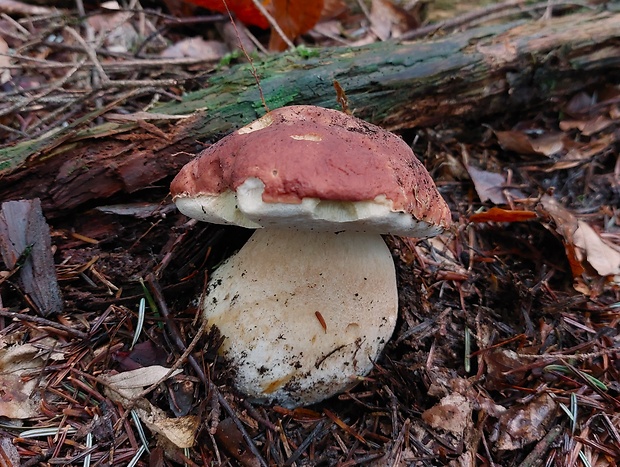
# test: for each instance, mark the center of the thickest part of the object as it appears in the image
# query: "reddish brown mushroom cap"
(307, 152)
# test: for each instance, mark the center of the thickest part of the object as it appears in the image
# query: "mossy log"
(478, 73)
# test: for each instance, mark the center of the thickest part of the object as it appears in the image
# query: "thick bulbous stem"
(304, 313)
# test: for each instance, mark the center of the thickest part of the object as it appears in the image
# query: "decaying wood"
(26, 249)
(478, 73)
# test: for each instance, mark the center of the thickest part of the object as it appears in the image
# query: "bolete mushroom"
(308, 303)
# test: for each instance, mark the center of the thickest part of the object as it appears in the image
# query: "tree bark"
(478, 73)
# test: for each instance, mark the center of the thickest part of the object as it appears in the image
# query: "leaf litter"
(508, 330)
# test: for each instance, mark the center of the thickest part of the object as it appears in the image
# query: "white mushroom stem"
(304, 314)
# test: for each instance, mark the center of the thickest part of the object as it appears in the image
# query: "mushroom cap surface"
(312, 168)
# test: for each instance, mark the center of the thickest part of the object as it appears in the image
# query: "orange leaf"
(502, 215)
(244, 10)
(294, 18)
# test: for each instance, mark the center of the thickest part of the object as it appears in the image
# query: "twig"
(461, 20)
(90, 51)
(534, 458)
(274, 24)
(43, 322)
(56, 85)
(319, 431)
(176, 336)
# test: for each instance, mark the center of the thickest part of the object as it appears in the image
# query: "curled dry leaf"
(232, 440)
(602, 256)
(587, 127)
(584, 246)
(180, 431)
(123, 387)
(547, 144)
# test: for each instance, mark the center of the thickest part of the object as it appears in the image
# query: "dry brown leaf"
(565, 225)
(131, 382)
(123, 387)
(452, 413)
(180, 431)
(19, 398)
(602, 256)
(389, 20)
(582, 243)
(587, 127)
(547, 144)
(579, 152)
(490, 186)
(294, 17)
(504, 368)
(524, 424)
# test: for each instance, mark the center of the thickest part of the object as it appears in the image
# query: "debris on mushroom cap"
(300, 153)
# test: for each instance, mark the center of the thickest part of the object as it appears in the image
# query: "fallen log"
(466, 76)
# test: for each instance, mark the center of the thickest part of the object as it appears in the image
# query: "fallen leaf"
(389, 20)
(294, 17)
(129, 383)
(524, 424)
(503, 368)
(452, 413)
(123, 387)
(602, 256)
(587, 127)
(25, 244)
(180, 431)
(243, 10)
(490, 186)
(565, 225)
(19, 398)
(582, 243)
(547, 144)
(502, 215)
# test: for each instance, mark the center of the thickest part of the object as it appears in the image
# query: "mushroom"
(308, 303)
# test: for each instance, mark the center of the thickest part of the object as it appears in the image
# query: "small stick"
(274, 24)
(43, 322)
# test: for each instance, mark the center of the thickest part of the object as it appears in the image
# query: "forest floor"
(507, 346)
